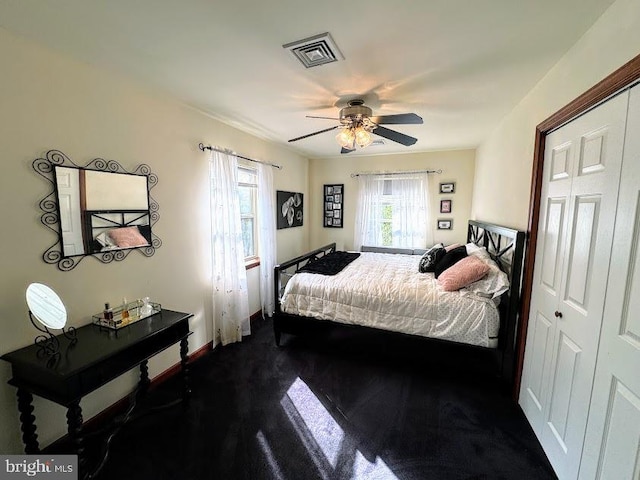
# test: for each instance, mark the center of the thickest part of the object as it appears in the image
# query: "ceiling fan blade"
(345, 150)
(325, 118)
(395, 136)
(399, 119)
(314, 133)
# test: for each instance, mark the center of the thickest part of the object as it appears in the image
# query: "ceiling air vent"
(377, 142)
(316, 50)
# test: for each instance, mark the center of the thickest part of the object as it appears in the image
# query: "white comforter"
(386, 291)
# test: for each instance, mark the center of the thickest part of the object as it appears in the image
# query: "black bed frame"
(113, 219)
(506, 247)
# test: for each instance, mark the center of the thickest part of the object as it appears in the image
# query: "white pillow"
(473, 249)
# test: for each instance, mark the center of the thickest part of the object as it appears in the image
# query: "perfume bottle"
(125, 311)
(108, 312)
(146, 309)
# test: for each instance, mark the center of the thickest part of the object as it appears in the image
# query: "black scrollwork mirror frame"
(51, 211)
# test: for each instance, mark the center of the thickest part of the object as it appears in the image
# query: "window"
(393, 211)
(248, 191)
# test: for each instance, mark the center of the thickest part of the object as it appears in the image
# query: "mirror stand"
(48, 343)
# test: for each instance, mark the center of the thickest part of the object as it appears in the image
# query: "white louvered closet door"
(612, 443)
(578, 202)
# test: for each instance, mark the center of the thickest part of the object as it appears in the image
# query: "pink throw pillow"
(128, 237)
(468, 270)
(448, 248)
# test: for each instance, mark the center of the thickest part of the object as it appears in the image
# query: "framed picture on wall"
(448, 187)
(445, 224)
(333, 206)
(445, 206)
(290, 206)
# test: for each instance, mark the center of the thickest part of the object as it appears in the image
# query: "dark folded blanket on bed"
(330, 264)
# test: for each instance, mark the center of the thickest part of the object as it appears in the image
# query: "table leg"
(27, 419)
(74, 427)
(184, 359)
(144, 377)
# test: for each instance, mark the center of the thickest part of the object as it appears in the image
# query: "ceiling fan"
(357, 123)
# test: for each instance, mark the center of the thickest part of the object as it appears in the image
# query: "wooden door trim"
(616, 81)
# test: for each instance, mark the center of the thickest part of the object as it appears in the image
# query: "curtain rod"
(209, 147)
(395, 173)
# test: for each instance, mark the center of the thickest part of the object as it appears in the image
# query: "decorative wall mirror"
(98, 210)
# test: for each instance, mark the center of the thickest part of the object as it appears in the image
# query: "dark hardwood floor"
(341, 405)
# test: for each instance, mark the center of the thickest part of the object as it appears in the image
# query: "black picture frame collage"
(446, 205)
(333, 205)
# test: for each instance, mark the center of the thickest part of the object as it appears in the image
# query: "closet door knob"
(558, 314)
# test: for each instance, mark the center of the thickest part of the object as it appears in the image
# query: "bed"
(106, 230)
(383, 290)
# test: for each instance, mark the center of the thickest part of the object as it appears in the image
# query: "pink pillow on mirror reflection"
(128, 237)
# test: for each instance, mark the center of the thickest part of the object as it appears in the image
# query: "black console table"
(98, 356)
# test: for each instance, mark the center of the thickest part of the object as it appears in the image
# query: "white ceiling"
(461, 65)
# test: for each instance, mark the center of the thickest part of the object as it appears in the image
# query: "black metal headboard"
(98, 221)
(506, 247)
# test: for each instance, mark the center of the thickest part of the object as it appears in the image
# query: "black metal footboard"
(283, 272)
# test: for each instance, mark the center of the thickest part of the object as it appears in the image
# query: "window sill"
(252, 263)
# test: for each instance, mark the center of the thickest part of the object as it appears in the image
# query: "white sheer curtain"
(230, 297)
(368, 228)
(266, 237)
(393, 210)
(411, 216)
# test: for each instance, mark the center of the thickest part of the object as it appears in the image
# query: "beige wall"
(457, 166)
(504, 160)
(49, 101)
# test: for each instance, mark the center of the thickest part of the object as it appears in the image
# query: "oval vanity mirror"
(46, 306)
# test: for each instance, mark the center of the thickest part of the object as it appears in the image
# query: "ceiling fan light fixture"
(357, 124)
(363, 137)
(346, 138)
